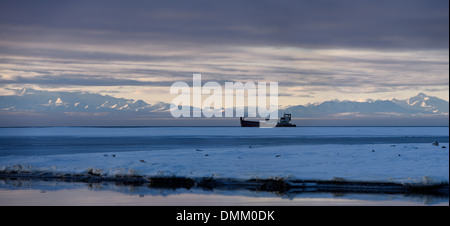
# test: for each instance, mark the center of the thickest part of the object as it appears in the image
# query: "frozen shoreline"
(422, 164)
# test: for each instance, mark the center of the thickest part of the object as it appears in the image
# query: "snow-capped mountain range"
(43, 101)
(420, 104)
(30, 100)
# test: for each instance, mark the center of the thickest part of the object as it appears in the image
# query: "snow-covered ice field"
(392, 154)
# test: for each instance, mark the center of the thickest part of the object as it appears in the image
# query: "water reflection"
(54, 192)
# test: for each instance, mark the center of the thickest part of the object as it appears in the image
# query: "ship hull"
(289, 125)
(245, 123)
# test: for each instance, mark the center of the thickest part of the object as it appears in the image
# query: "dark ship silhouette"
(283, 122)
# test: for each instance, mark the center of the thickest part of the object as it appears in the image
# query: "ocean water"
(36, 142)
(73, 140)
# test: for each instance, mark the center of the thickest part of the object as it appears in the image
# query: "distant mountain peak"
(421, 95)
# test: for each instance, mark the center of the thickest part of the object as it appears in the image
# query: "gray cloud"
(410, 24)
(81, 80)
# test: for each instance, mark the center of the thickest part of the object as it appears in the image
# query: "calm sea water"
(54, 193)
(73, 140)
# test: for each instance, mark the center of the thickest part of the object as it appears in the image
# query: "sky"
(316, 50)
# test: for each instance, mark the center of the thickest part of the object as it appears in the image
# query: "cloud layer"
(314, 49)
(320, 23)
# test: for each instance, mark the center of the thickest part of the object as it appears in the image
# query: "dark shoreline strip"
(279, 185)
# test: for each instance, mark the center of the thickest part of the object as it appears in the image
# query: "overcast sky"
(317, 50)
